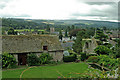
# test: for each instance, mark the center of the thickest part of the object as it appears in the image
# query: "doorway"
(22, 59)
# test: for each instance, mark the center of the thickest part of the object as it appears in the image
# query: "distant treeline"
(57, 24)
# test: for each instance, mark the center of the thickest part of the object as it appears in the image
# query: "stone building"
(22, 45)
(90, 45)
(52, 30)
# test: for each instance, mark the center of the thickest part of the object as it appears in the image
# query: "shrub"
(70, 58)
(45, 58)
(83, 56)
(8, 61)
(108, 62)
(102, 50)
(32, 60)
(93, 59)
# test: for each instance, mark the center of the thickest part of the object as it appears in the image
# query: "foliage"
(75, 31)
(77, 46)
(117, 49)
(101, 49)
(108, 62)
(45, 58)
(83, 56)
(70, 58)
(108, 45)
(60, 35)
(93, 59)
(100, 35)
(32, 60)
(8, 61)
(12, 32)
(66, 34)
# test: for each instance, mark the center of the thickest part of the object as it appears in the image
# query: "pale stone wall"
(57, 56)
(16, 57)
(92, 44)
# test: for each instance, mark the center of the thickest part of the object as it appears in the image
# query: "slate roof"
(30, 43)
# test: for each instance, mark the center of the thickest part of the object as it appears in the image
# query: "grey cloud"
(2, 6)
(100, 3)
(110, 13)
(9, 15)
(5, 0)
(3, 3)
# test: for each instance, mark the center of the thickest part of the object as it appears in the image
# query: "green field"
(20, 30)
(69, 70)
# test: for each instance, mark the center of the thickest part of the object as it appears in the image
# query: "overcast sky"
(60, 9)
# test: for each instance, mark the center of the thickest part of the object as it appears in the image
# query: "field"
(66, 70)
(20, 30)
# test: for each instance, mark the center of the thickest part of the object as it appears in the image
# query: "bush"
(32, 60)
(102, 50)
(93, 59)
(70, 58)
(83, 56)
(45, 58)
(108, 62)
(8, 61)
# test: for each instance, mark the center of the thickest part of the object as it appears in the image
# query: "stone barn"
(22, 45)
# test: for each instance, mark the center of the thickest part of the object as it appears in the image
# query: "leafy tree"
(101, 49)
(68, 28)
(101, 36)
(77, 46)
(42, 32)
(66, 34)
(48, 28)
(75, 31)
(73, 27)
(11, 31)
(60, 35)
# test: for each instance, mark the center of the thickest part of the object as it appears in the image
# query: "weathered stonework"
(26, 44)
(89, 45)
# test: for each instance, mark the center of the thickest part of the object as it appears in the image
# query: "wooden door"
(22, 59)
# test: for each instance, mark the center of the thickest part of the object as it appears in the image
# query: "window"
(45, 48)
(87, 46)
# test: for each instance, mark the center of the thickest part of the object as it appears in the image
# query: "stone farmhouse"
(21, 46)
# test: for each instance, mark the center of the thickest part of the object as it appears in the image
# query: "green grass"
(62, 70)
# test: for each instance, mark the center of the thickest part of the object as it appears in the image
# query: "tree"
(101, 36)
(12, 32)
(75, 31)
(68, 28)
(77, 46)
(60, 35)
(48, 28)
(73, 27)
(42, 32)
(101, 49)
(66, 34)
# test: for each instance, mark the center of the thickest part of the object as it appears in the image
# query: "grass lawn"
(68, 70)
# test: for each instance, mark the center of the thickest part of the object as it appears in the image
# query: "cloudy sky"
(60, 9)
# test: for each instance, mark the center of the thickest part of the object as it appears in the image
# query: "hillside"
(41, 24)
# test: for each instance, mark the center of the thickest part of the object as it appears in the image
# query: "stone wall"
(89, 46)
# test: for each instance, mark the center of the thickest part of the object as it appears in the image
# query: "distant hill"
(41, 24)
